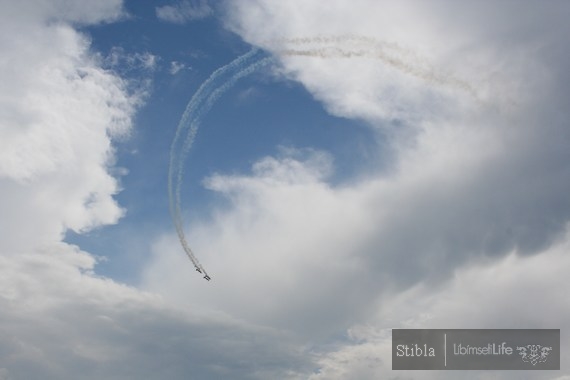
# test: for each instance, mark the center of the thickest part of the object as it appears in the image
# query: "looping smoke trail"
(347, 46)
(209, 92)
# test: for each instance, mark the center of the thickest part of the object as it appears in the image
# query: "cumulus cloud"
(184, 11)
(58, 110)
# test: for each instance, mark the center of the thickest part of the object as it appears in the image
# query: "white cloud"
(446, 41)
(58, 110)
(184, 11)
(119, 59)
(176, 66)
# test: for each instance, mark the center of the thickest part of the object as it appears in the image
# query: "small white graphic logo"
(534, 353)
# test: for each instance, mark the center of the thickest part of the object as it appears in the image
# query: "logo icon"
(534, 353)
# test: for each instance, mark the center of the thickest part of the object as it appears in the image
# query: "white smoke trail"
(202, 101)
(347, 46)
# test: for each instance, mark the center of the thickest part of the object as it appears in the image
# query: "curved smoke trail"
(209, 92)
(221, 80)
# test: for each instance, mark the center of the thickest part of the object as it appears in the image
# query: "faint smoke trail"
(202, 101)
(354, 46)
(221, 80)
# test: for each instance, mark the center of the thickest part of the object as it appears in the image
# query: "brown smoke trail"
(354, 46)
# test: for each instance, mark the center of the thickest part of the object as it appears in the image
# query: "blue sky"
(398, 165)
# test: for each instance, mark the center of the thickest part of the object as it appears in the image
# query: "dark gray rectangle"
(465, 349)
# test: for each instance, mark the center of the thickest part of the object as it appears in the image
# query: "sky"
(388, 165)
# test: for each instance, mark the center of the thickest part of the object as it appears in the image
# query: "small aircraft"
(198, 270)
(207, 277)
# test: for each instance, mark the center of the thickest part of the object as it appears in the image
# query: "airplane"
(207, 277)
(198, 270)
